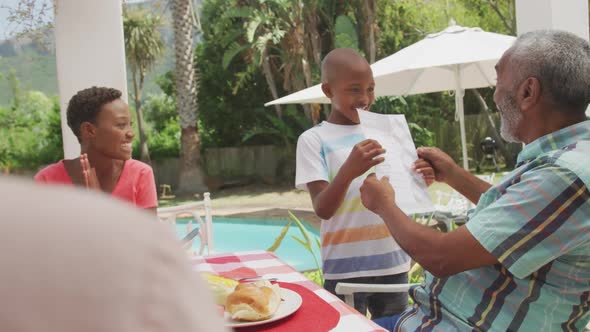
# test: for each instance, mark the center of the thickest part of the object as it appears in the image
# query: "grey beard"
(507, 132)
(511, 118)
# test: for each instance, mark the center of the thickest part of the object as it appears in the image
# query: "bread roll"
(253, 301)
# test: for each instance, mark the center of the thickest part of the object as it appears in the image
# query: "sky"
(3, 17)
(6, 29)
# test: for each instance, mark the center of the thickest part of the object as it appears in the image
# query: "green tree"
(282, 39)
(30, 134)
(160, 111)
(345, 34)
(264, 27)
(231, 99)
(51, 139)
(295, 35)
(143, 47)
(15, 89)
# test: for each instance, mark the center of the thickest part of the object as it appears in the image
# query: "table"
(266, 264)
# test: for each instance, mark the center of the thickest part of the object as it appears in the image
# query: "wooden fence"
(227, 166)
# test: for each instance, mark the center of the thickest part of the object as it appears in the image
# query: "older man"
(522, 263)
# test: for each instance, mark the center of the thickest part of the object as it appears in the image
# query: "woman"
(101, 121)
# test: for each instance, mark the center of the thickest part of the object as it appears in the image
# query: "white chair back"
(489, 178)
(196, 209)
(349, 289)
(455, 204)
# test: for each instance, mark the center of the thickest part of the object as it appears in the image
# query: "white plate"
(291, 302)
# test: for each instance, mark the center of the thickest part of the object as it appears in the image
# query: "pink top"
(136, 183)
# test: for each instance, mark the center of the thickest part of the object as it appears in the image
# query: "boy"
(331, 161)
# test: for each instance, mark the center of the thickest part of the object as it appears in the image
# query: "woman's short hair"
(85, 105)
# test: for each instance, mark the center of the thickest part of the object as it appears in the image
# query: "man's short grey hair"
(559, 60)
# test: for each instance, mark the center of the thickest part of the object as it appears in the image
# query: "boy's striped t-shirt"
(355, 241)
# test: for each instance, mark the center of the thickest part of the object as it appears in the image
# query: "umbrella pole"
(459, 93)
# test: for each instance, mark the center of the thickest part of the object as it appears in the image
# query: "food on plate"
(253, 301)
(220, 286)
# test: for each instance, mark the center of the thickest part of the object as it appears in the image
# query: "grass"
(270, 197)
(254, 196)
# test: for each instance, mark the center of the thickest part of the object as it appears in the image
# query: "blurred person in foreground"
(521, 263)
(97, 266)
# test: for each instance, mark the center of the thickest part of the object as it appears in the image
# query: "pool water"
(238, 234)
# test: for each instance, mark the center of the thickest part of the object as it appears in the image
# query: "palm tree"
(143, 47)
(282, 38)
(263, 29)
(191, 177)
(367, 14)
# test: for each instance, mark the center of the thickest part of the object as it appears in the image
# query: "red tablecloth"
(320, 310)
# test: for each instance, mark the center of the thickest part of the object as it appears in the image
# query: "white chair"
(489, 178)
(196, 209)
(348, 289)
(457, 204)
(453, 211)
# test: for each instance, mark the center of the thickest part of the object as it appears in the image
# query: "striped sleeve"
(538, 219)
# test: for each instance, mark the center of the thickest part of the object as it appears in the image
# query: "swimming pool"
(239, 234)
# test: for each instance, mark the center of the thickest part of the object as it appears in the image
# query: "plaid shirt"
(536, 222)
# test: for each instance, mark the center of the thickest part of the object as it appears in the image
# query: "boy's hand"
(377, 194)
(89, 174)
(442, 164)
(424, 168)
(362, 157)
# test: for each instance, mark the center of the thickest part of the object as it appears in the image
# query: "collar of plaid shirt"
(565, 138)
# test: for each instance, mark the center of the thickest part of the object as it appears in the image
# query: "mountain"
(34, 60)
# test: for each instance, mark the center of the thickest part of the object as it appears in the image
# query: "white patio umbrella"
(456, 58)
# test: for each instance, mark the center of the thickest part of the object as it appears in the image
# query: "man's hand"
(424, 168)
(363, 156)
(89, 174)
(445, 253)
(377, 194)
(447, 171)
(442, 164)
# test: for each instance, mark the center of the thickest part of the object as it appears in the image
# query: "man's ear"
(327, 90)
(87, 130)
(529, 93)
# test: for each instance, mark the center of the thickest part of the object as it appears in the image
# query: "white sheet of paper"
(393, 133)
